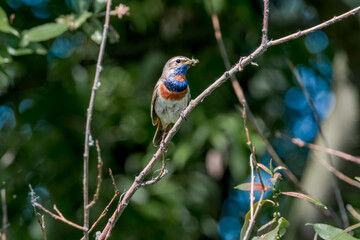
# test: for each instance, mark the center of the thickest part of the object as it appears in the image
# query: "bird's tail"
(160, 133)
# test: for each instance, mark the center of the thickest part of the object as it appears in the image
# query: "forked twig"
(88, 137)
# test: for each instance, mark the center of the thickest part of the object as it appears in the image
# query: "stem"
(88, 122)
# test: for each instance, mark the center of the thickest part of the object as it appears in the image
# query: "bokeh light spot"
(305, 128)
(7, 120)
(229, 228)
(316, 42)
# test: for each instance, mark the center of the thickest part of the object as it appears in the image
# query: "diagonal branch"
(244, 61)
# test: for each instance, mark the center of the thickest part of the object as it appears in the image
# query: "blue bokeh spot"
(305, 128)
(316, 42)
(61, 48)
(229, 228)
(7, 120)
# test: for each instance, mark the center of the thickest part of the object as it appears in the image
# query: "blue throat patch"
(176, 86)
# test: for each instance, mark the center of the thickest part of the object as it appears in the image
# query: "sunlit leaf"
(99, 5)
(279, 168)
(81, 19)
(44, 32)
(4, 55)
(357, 178)
(328, 232)
(32, 48)
(305, 197)
(263, 167)
(94, 30)
(4, 24)
(247, 187)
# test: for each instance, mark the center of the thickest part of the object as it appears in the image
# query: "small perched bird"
(171, 95)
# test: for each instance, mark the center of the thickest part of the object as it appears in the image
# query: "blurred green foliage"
(46, 72)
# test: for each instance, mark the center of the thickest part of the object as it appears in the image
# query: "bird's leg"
(163, 149)
(182, 115)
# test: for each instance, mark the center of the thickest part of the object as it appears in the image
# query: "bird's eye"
(178, 60)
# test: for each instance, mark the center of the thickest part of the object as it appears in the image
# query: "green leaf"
(351, 228)
(272, 229)
(30, 49)
(43, 32)
(279, 168)
(247, 219)
(4, 55)
(81, 19)
(328, 232)
(4, 24)
(357, 178)
(94, 30)
(305, 197)
(247, 187)
(263, 167)
(99, 5)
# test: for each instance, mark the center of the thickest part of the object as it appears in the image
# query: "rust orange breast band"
(181, 77)
(173, 96)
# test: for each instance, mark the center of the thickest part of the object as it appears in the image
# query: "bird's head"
(178, 65)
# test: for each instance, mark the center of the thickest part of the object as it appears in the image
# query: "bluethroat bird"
(171, 95)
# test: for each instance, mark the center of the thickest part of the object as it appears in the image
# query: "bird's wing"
(154, 116)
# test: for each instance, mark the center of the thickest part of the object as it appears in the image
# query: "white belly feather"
(169, 111)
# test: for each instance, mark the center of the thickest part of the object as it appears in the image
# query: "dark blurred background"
(45, 89)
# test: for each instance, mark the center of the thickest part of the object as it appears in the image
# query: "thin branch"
(164, 173)
(252, 221)
(337, 153)
(313, 29)
(240, 93)
(106, 210)
(264, 38)
(40, 221)
(334, 181)
(88, 121)
(4, 214)
(252, 198)
(99, 178)
(353, 212)
(60, 217)
(337, 173)
(244, 61)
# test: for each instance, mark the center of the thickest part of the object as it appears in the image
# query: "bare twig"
(252, 198)
(244, 61)
(42, 221)
(157, 178)
(99, 179)
(264, 38)
(313, 29)
(4, 214)
(240, 93)
(337, 173)
(57, 216)
(88, 137)
(252, 163)
(353, 212)
(337, 153)
(334, 181)
(252, 221)
(106, 210)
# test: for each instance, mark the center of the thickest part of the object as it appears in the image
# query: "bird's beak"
(191, 62)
